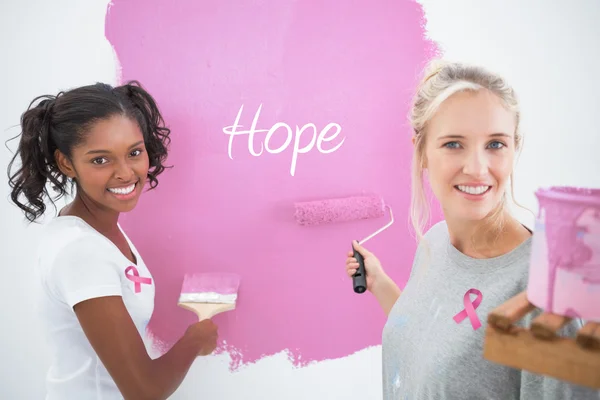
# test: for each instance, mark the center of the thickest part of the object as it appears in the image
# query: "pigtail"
(37, 167)
(156, 134)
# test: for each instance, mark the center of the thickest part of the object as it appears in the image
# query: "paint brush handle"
(359, 279)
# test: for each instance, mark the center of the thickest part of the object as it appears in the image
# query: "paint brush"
(208, 294)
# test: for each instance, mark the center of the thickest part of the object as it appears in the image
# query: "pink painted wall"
(224, 208)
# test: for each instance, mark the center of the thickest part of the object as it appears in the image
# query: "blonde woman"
(466, 134)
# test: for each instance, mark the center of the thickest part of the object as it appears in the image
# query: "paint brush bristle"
(211, 287)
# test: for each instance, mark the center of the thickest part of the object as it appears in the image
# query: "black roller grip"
(359, 279)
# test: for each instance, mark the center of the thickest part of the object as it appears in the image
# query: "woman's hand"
(205, 334)
(378, 282)
(373, 267)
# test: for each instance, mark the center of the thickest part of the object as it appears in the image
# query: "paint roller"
(312, 213)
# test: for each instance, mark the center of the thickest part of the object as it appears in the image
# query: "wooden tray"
(538, 348)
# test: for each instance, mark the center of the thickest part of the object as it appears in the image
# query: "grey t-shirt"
(428, 356)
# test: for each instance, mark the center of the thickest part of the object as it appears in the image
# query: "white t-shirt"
(75, 263)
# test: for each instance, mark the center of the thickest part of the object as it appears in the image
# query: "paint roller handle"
(359, 279)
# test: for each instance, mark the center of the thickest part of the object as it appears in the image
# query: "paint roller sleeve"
(339, 210)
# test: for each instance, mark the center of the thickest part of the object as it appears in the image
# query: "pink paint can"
(564, 271)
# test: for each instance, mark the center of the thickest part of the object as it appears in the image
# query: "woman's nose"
(476, 164)
(124, 172)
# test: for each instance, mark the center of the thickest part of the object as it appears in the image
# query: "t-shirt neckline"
(95, 231)
(486, 265)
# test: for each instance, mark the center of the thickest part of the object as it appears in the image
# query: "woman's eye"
(452, 145)
(496, 145)
(99, 161)
(135, 153)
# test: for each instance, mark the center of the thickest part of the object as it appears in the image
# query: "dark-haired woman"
(96, 295)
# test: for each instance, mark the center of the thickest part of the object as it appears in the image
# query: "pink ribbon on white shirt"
(470, 309)
(136, 279)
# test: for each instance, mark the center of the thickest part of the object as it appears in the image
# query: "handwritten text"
(327, 134)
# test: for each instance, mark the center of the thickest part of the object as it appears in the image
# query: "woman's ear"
(64, 164)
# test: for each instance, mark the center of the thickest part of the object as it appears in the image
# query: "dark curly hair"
(62, 121)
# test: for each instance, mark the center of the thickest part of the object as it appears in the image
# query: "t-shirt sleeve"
(428, 246)
(424, 252)
(417, 258)
(84, 269)
(536, 386)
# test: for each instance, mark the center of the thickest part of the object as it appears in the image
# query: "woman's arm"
(386, 292)
(86, 275)
(378, 282)
(115, 339)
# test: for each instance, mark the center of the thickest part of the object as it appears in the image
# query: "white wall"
(548, 50)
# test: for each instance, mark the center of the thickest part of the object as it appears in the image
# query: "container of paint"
(564, 270)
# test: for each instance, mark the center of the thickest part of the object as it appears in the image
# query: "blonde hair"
(441, 80)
